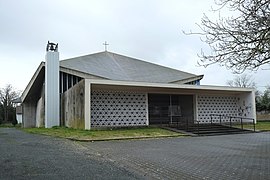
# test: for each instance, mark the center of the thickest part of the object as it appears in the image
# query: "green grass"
(261, 125)
(9, 125)
(123, 133)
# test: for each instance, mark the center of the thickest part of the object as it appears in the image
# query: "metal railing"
(189, 123)
(181, 122)
(231, 118)
(198, 127)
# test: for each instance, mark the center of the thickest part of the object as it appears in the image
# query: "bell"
(52, 46)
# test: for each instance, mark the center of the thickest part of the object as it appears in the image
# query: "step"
(218, 131)
(210, 129)
(223, 133)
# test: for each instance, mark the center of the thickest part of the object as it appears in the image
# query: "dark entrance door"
(166, 108)
(158, 108)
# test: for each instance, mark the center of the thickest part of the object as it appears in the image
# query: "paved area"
(28, 156)
(241, 156)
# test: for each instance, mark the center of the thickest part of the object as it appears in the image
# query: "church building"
(107, 89)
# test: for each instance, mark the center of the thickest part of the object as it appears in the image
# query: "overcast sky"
(150, 30)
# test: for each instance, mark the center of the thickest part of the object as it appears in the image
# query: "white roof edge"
(41, 65)
(169, 85)
(29, 85)
(197, 77)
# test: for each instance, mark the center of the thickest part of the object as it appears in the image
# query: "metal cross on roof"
(105, 44)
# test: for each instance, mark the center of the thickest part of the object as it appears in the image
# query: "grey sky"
(146, 29)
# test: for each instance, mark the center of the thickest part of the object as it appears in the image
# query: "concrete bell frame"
(52, 97)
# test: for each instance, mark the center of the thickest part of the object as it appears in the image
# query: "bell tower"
(52, 97)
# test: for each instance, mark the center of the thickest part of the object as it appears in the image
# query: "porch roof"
(164, 87)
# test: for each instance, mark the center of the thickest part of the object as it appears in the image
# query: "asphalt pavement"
(233, 157)
(238, 156)
(30, 156)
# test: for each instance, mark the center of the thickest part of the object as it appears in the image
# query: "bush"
(14, 122)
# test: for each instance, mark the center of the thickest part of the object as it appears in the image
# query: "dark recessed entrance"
(168, 109)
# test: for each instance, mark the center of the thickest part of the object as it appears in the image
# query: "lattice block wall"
(224, 105)
(118, 109)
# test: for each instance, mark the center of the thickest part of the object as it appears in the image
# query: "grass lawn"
(5, 125)
(261, 125)
(92, 135)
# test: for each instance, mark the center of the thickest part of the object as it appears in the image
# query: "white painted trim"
(166, 85)
(87, 104)
(188, 79)
(195, 108)
(66, 83)
(147, 109)
(254, 106)
(62, 82)
(30, 84)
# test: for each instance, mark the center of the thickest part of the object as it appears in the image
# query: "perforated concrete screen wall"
(223, 105)
(114, 108)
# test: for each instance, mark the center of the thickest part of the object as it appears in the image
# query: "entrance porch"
(171, 109)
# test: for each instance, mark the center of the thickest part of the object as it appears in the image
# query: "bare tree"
(243, 80)
(7, 95)
(240, 42)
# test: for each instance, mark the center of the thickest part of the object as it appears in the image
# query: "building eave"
(187, 80)
(194, 88)
(30, 84)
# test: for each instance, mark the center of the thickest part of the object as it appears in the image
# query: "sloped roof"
(122, 68)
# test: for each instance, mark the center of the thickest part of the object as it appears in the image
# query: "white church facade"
(110, 90)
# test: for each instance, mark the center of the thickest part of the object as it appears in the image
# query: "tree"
(240, 42)
(246, 81)
(243, 80)
(7, 107)
(263, 102)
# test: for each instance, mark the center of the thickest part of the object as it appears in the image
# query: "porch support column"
(87, 104)
(147, 109)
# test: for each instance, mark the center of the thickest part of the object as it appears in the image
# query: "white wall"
(52, 97)
(215, 104)
(242, 105)
(247, 106)
(115, 108)
(19, 118)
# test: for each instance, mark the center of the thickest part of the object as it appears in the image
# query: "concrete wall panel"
(52, 108)
(40, 113)
(29, 114)
(247, 106)
(118, 109)
(216, 104)
(72, 111)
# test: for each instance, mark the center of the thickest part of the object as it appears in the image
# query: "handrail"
(241, 123)
(223, 115)
(198, 127)
(234, 117)
(187, 124)
(254, 129)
